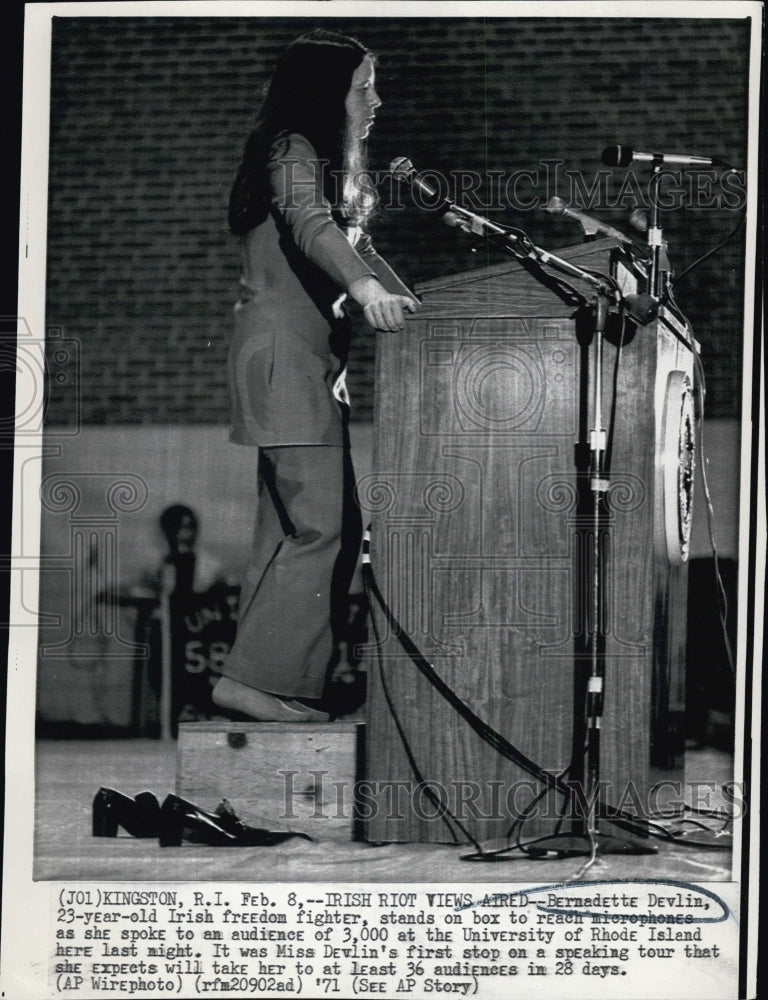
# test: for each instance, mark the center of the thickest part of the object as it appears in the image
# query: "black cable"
(722, 597)
(607, 278)
(445, 814)
(677, 811)
(719, 246)
(701, 388)
(615, 397)
(647, 828)
(486, 732)
(627, 821)
(526, 815)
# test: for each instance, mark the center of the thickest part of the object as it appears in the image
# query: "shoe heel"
(103, 825)
(104, 822)
(171, 838)
(139, 817)
(146, 816)
(171, 825)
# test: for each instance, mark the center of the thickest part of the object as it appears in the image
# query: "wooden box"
(283, 776)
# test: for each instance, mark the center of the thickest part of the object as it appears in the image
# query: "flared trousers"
(293, 597)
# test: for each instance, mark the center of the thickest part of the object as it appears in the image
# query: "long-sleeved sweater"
(291, 336)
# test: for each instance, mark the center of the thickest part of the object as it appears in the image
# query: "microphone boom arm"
(519, 245)
(514, 241)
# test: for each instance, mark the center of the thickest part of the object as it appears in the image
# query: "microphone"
(639, 220)
(622, 156)
(590, 225)
(454, 215)
(402, 169)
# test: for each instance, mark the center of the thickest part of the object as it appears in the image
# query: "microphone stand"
(659, 265)
(586, 838)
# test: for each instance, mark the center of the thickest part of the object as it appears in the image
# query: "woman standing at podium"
(299, 203)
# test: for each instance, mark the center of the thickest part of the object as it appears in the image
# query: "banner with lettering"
(203, 628)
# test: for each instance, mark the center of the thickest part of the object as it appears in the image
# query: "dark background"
(148, 117)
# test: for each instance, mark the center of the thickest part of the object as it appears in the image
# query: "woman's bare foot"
(260, 705)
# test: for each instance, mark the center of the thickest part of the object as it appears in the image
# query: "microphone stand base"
(576, 845)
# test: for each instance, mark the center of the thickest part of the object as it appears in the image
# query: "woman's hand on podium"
(384, 310)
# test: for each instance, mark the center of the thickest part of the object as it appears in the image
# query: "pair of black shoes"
(177, 820)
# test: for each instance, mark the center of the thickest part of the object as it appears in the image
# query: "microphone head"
(617, 156)
(555, 205)
(402, 168)
(639, 220)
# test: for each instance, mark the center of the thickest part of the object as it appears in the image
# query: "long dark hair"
(305, 95)
(171, 518)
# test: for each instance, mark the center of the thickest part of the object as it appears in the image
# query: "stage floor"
(69, 772)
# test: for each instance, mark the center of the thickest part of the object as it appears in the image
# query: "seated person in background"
(183, 568)
(178, 574)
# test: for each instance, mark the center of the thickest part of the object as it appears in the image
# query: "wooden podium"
(481, 448)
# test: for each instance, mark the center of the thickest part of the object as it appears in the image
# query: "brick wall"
(148, 116)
